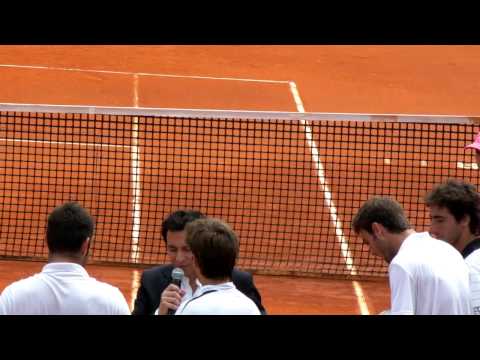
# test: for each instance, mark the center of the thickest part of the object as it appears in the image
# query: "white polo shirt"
(473, 262)
(428, 277)
(221, 299)
(62, 289)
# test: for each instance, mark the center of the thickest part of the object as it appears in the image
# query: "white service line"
(362, 303)
(347, 255)
(323, 182)
(136, 184)
(139, 73)
(135, 286)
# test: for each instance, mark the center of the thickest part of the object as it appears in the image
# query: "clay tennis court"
(394, 80)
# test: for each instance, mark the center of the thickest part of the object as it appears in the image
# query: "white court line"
(323, 182)
(139, 73)
(136, 184)
(462, 165)
(135, 286)
(362, 303)
(347, 256)
(64, 143)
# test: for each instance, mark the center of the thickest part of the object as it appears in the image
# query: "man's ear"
(85, 246)
(465, 221)
(377, 229)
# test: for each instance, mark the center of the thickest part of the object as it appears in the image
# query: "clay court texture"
(340, 164)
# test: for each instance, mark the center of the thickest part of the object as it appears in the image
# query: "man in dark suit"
(157, 294)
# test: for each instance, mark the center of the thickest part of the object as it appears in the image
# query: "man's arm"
(120, 305)
(402, 291)
(5, 302)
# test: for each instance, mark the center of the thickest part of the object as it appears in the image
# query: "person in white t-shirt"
(427, 276)
(215, 248)
(455, 217)
(63, 287)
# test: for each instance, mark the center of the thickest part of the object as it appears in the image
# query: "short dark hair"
(177, 220)
(383, 210)
(460, 198)
(214, 245)
(68, 226)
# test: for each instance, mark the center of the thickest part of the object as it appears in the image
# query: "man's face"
(372, 241)
(379, 243)
(444, 226)
(178, 251)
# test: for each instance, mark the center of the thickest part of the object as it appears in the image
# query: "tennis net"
(288, 183)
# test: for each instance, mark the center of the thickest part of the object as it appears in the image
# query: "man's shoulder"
(158, 271)
(27, 284)
(238, 272)
(224, 302)
(472, 250)
(419, 245)
(473, 261)
(102, 287)
(240, 275)
(475, 254)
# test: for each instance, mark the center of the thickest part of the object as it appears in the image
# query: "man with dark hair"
(64, 287)
(157, 294)
(427, 276)
(455, 218)
(215, 248)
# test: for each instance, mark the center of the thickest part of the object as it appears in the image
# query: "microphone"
(177, 276)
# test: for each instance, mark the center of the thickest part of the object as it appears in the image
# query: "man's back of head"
(383, 210)
(214, 246)
(68, 226)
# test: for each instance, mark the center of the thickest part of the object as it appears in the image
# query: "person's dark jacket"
(156, 279)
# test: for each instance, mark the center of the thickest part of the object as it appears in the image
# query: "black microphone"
(177, 276)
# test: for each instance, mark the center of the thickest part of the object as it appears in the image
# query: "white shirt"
(220, 299)
(62, 289)
(473, 262)
(428, 277)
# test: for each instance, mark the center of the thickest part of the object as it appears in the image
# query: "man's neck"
(396, 243)
(205, 281)
(400, 238)
(465, 239)
(57, 258)
(193, 283)
(192, 278)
